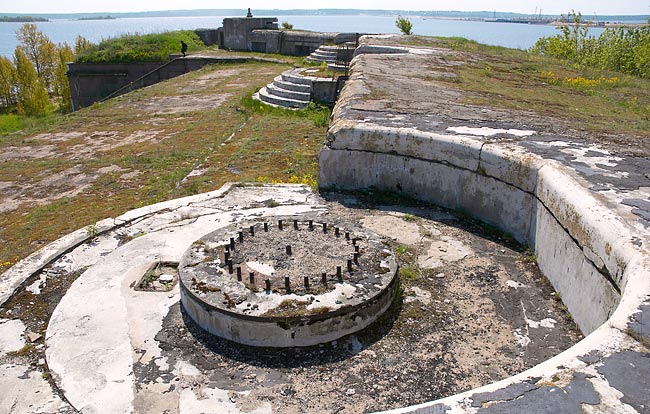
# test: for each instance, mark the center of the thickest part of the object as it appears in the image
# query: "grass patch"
(319, 114)
(228, 143)
(10, 123)
(579, 97)
(410, 272)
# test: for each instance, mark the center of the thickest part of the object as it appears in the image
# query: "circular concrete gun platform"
(470, 308)
(283, 285)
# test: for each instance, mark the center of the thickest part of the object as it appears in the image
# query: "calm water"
(511, 35)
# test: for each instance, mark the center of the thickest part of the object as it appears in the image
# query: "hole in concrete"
(159, 277)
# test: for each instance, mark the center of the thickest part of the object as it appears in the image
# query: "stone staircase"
(329, 55)
(324, 54)
(291, 90)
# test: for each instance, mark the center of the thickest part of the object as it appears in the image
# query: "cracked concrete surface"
(582, 205)
(140, 345)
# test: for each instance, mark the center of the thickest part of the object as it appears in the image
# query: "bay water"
(513, 35)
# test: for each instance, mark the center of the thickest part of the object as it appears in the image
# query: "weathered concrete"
(94, 361)
(93, 82)
(237, 31)
(295, 88)
(124, 355)
(252, 315)
(588, 244)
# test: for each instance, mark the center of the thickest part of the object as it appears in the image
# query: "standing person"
(183, 48)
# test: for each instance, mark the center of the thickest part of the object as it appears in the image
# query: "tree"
(61, 85)
(7, 82)
(287, 26)
(39, 50)
(81, 45)
(31, 95)
(404, 25)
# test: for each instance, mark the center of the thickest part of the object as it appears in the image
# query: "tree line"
(36, 79)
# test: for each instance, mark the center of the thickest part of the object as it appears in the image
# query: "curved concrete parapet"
(594, 257)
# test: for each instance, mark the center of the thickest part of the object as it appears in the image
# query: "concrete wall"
(92, 82)
(324, 90)
(208, 36)
(287, 332)
(510, 189)
(288, 42)
(237, 31)
(299, 43)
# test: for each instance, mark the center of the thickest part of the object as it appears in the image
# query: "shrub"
(140, 48)
(404, 25)
(622, 49)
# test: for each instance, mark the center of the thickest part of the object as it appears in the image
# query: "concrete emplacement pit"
(287, 283)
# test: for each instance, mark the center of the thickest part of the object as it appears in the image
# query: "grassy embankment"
(154, 47)
(68, 172)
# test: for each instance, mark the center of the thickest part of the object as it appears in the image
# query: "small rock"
(33, 336)
(166, 278)
(350, 391)
(440, 275)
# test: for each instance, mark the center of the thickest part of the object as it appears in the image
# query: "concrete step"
(291, 76)
(335, 67)
(264, 96)
(290, 86)
(284, 93)
(323, 58)
(327, 48)
(326, 53)
(319, 60)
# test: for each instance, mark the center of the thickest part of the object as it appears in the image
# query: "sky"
(601, 7)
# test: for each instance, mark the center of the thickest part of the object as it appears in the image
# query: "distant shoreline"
(22, 19)
(98, 18)
(544, 22)
(509, 17)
